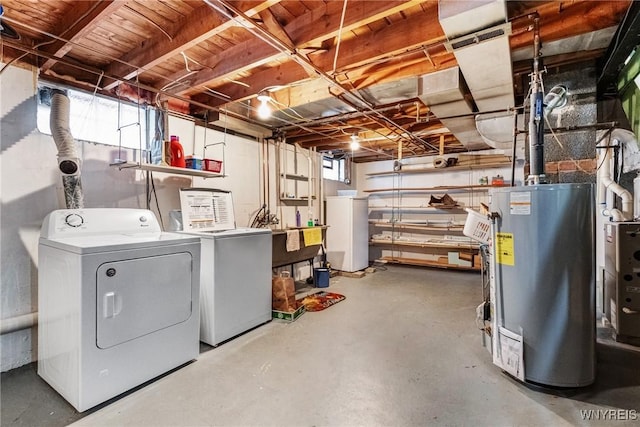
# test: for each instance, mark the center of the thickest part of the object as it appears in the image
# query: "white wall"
(31, 187)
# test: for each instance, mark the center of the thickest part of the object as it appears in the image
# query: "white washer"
(235, 285)
(118, 302)
(235, 282)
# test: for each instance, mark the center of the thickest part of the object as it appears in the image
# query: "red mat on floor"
(320, 300)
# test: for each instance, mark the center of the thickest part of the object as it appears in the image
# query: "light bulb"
(264, 112)
(354, 142)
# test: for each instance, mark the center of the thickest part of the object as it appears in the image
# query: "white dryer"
(118, 302)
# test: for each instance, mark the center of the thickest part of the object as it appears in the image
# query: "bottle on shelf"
(177, 153)
(298, 220)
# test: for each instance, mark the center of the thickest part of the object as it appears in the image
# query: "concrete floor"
(401, 350)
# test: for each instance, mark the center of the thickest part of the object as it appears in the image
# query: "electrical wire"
(335, 57)
(149, 20)
(155, 194)
(17, 58)
(275, 101)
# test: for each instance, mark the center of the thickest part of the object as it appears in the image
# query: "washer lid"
(115, 242)
(238, 232)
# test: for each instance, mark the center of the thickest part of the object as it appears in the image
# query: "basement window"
(94, 118)
(333, 168)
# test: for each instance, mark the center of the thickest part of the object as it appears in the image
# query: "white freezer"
(348, 233)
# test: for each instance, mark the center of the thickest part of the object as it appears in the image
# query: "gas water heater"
(544, 283)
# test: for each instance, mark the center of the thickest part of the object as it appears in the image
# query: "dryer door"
(139, 296)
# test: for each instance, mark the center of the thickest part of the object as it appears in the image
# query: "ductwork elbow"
(68, 160)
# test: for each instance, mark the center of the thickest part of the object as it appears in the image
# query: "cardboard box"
(193, 162)
(288, 316)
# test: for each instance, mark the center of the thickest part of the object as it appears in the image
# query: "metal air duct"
(68, 160)
(479, 38)
(447, 95)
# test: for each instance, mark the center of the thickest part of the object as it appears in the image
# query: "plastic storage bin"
(211, 165)
(477, 226)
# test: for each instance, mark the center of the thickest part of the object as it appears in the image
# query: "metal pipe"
(536, 122)
(397, 129)
(346, 116)
(138, 69)
(101, 73)
(225, 7)
(513, 150)
(18, 323)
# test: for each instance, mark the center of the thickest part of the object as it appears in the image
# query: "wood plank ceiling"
(215, 56)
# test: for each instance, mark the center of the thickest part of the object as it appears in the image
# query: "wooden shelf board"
(167, 169)
(421, 227)
(438, 170)
(296, 199)
(458, 246)
(426, 263)
(441, 188)
(420, 208)
(293, 176)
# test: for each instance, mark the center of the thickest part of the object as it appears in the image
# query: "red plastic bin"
(211, 165)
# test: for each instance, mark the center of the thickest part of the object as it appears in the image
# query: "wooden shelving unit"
(295, 175)
(424, 263)
(402, 222)
(440, 170)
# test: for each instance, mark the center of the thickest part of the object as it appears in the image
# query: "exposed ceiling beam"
(74, 26)
(399, 37)
(251, 54)
(274, 27)
(322, 24)
(202, 24)
(573, 18)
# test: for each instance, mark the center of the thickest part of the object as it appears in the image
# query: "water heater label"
(504, 249)
(520, 203)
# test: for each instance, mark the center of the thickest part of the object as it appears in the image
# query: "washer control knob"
(143, 218)
(74, 220)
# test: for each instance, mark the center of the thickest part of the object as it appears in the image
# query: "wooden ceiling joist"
(74, 26)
